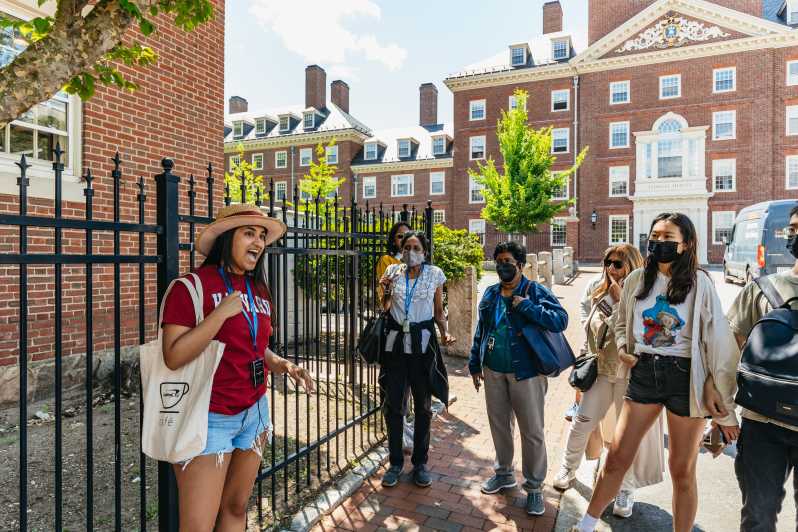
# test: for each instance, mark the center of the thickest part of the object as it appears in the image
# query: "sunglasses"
(617, 263)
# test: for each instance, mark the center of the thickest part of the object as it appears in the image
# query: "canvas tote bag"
(175, 417)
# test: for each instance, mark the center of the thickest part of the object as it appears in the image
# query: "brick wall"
(177, 112)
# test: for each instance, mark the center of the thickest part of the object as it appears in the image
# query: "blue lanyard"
(251, 322)
(409, 294)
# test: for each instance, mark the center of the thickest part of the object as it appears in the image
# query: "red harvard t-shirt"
(232, 389)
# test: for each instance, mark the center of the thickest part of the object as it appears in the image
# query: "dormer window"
(371, 151)
(518, 55)
(560, 49)
(404, 147)
(238, 129)
(260, 126)
(309, 120)
(791, 14)
(438, 145)
(285, 123)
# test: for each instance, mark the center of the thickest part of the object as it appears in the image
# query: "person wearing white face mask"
(413, 295)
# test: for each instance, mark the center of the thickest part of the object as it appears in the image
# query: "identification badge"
(491, 343)
(257, 371)
(406, 326)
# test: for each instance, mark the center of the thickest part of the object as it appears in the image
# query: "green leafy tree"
(242, 170)
(519, 198)
(82, 45)
(320, 183)
(454, 250)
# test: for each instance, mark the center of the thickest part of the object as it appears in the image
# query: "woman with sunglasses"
(394, 254)
(608, 390)
(672, 334)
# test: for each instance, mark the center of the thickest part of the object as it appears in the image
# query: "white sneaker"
(565, 478)
(624, 503)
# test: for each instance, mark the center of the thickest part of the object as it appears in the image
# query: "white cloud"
(315, 30)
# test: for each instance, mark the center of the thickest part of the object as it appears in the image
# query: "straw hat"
(239, 216)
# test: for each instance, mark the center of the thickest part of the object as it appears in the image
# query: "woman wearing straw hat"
(215, 486)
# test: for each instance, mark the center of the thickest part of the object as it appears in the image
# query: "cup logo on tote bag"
(171, 395)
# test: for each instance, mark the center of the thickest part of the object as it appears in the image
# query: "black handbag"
(584, 372)
(372, 340)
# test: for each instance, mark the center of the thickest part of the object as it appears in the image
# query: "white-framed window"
(559, 49)
(477, 227)
(562, 193)
(517, 56)
(791, 181)
(280, 190)
(403, 147)
(370, 187)
(439, 145)
(560, 140)
(438, 216)
(332, 154)
(476, 110)
(476, 148)
(437, 184)
(724, 80)
(305, 156)
(619, 229)
(792, 72)
(371, 150)
(619, 181)
(724, 125)
(475, 191)
(792, 120)
(670, 86)
(512, 103)
(285, 123)
(559, 100)
(792, 11)
(238, 129)
(724, 175)
(260, 126)
(620, 92)
(281, 159)
(257, 161)
(557, 229)
(235, 160)
(722, 224)
(619, 135)
(309, 120)
(401, 185)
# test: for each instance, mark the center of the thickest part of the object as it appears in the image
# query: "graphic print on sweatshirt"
(661, 324)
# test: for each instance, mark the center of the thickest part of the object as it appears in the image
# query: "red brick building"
(685, 105)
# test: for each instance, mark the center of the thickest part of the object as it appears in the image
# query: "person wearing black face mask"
(501, 357)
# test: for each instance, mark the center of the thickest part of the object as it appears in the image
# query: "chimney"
(238, 105)
(428, 104)
(552, 17)
(315, 87)
(339, 94)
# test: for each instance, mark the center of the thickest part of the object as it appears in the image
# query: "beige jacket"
(607, 353)
(714, 351)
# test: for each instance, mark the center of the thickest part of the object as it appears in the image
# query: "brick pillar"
(315, 87)
(339, 94)
(238, 105)
(552, 17)
(572, 235)
(428, 104)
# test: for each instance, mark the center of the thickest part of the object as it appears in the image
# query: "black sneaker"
(421, 476)
(391, 477)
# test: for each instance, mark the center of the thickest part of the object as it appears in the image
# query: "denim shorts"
(239, 431)
(664, 380)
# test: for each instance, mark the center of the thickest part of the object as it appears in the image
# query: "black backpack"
(767, 378)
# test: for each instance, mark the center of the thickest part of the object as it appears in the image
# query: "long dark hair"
(222, 254)
(392, 249)
(683, 269)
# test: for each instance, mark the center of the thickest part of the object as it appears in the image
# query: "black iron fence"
(94, 476)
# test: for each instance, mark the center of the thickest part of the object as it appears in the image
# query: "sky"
(383, 49)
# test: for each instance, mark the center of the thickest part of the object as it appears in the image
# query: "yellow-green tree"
(242, 170)
(320, 183)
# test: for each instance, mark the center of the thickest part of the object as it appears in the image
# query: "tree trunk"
(72, 47)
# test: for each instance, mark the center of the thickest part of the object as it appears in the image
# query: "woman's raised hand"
(615, 290)
(230, 305)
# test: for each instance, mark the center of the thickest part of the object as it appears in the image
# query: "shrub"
(454, 250)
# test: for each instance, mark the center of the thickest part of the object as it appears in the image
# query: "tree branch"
(67, 11)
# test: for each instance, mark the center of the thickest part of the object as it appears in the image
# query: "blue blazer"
(541, 307)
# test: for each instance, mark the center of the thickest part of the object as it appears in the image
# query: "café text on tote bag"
(175, 424)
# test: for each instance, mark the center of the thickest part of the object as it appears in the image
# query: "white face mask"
(413, 258)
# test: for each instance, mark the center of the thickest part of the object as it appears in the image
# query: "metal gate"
(93, 476)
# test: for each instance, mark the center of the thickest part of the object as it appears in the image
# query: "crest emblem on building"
(671, 32)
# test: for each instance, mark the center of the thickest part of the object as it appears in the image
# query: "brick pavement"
(461, 457)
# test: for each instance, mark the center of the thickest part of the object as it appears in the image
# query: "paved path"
(461, 457)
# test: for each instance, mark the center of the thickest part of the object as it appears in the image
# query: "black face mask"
(506, 271)
(663, 252)
(792, 245)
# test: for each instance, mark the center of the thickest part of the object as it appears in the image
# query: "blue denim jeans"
(766, 454)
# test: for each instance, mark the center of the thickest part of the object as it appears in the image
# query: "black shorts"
(664, 380)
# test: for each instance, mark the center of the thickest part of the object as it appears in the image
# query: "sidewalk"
(461, 457)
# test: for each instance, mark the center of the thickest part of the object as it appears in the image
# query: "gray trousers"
(509, 400)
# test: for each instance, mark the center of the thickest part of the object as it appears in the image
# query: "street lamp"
(594, 218)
